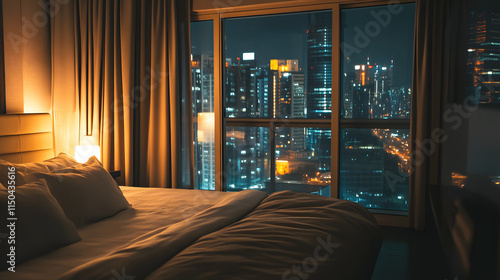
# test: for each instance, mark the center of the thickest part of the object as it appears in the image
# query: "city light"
(278, 88)
(249, 56)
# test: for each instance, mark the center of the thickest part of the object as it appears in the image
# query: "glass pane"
(377, 62)
(202, 62)
(303, 160)
(483, 67)
(247, 158)
(279, 66)
(375, 166)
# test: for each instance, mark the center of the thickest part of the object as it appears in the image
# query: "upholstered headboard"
(26, 138)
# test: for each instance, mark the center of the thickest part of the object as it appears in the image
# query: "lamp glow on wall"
(206, 126)
(84, 152)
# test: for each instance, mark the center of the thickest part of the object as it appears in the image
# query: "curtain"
(438, 77)
(132, 80)
(2, 66)
(64, 93)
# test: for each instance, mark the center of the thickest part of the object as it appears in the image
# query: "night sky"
(270, 37)
(285, 37)
(394, 40)
(202, 38)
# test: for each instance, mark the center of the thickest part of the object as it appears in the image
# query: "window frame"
(336, 123)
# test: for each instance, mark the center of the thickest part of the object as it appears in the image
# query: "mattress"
(193, 234)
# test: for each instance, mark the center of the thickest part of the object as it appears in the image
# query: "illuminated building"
(373, 162)
(282, 167)
(347, 102)
(291, 102)
(319, 83)
(369, 92)
(247, 88)
(241, 84)
(319, 66)
(247, 161)
(362, 170)
(484, 55)
(284, 65)
(203, 104)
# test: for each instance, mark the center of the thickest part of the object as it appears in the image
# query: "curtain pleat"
(161, 106)
(134, 85)
(64, 83)
(437, 50)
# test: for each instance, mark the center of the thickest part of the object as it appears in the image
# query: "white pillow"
(20, 171)
(86, 193)
(60, 162)
(41, 225)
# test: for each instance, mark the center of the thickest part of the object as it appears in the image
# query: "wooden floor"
(411, 255)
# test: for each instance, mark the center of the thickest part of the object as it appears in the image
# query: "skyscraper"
(203, 108)
(484, 55)
(291, 103)
(319, 66)
(319, 83)
(247, 148)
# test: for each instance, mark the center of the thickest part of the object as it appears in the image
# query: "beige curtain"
(64, 94)
(133, 87)
(2, 66)
(438, 77)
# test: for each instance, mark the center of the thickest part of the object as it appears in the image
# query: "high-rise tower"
(319, 83)
(319, 66)
(484, 55)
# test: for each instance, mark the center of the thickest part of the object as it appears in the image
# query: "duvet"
(188, 234)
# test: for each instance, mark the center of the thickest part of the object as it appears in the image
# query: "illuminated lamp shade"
(84, 152)
(206, 126)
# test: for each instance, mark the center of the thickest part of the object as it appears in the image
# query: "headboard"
(26, 138)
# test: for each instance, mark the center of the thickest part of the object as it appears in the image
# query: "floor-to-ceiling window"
(377, 66)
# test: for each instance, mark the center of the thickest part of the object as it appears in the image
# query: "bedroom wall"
(27, 56)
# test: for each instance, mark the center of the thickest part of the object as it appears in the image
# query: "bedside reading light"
(84, 152)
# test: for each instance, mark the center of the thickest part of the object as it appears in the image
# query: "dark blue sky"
(285, 37)
(270, 37)
(395, 40)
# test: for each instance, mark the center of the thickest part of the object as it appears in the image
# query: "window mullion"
(218, 106)
(272, 157)
(335, 122)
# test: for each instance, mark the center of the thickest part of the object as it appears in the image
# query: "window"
(278, 69)
(312, 99)
(377, 66)
(202, 68)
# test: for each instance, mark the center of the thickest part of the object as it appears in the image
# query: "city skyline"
(274, 83)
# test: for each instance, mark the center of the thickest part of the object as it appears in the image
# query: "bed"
(194, 234)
